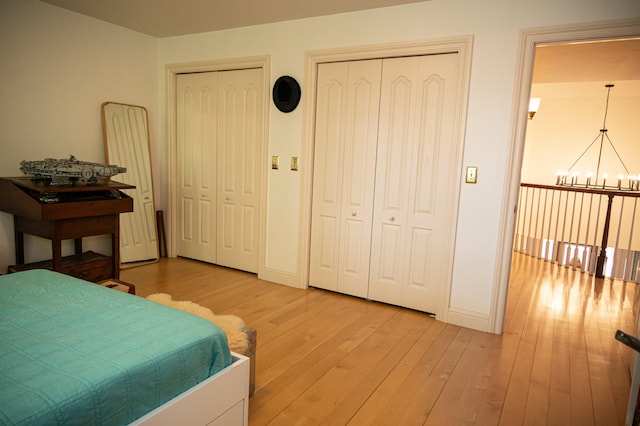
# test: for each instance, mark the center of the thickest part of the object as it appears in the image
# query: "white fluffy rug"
(230, 324)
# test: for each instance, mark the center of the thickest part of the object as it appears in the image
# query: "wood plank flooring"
(326, 358)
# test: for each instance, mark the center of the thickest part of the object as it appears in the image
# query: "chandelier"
(572, 178)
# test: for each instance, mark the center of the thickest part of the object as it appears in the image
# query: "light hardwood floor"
(326, 358)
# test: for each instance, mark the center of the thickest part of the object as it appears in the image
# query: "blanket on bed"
(73, 352)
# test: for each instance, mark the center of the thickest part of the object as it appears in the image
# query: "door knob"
(227, 198)
(353, 214)
(204, 195)
(393, 219)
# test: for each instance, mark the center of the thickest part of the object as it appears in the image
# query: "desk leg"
(115, 248)
(19, 239)
(78, 246)
(56, 248)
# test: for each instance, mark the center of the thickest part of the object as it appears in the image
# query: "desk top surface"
(44, 186)
(38, 200)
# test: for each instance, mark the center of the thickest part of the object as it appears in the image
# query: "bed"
(73, 352)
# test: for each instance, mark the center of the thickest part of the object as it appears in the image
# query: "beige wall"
(61, 58)
(489, 124)
(56, 69)
(570, 118)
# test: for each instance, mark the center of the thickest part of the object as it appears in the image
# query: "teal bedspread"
(73, 352)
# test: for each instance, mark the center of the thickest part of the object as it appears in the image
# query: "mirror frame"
(126, 141)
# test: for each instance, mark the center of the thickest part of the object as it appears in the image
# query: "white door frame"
(462, 45)
(529, 39)
(172, 70)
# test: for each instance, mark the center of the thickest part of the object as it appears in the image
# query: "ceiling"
(166, 18)
(577, 62)
(615, 60)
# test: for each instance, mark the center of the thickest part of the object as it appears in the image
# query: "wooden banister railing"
(593, 230)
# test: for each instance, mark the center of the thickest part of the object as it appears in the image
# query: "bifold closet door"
(413, 210)
(348, 94)
(219, 140)
(197, 111)
(382, 217)
(240, 105)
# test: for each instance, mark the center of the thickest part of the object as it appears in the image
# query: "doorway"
(616, 30)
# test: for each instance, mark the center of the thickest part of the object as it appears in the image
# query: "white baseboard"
(468, 319)
(280, 277)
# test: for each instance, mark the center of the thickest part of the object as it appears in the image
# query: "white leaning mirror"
(126, 138)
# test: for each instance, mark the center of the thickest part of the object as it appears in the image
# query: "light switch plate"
(472, 174)
(294, 163)
(275, 161)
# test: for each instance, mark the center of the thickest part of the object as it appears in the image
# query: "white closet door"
(240, 104)
(196, 165)
(413, 212)
(345, 149)
(331, 102)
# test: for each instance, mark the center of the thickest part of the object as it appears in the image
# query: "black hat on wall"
(286, 93)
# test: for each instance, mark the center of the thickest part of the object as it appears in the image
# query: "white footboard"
(222, 399)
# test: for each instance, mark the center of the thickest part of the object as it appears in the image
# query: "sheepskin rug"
(230, 324)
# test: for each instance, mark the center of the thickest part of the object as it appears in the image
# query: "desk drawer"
(89, 266)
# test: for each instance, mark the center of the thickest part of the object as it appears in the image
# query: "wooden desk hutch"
(68, 212)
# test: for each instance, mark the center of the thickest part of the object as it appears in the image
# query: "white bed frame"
(222, 399)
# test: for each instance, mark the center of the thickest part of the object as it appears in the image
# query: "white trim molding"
(468, 319)
(529, 40)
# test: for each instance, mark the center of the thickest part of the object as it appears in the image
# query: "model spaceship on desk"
(67, 171)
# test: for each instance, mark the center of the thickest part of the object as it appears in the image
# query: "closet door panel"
(239, 141)
(327, 174)
(360, 141)
(392, 184)
(388, 271)
(395, 137)
(345, 146)
(430, 204)
(419, 252)
(414, 169)
(422, 221)
(196, 134)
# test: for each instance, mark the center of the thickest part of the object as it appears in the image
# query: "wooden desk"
(67, 212)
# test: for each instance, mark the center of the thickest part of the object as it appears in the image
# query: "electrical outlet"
(472, 174)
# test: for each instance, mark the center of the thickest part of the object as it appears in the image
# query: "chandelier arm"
(606, 107)
(602, 133)
(584, 152)
(618, 155)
